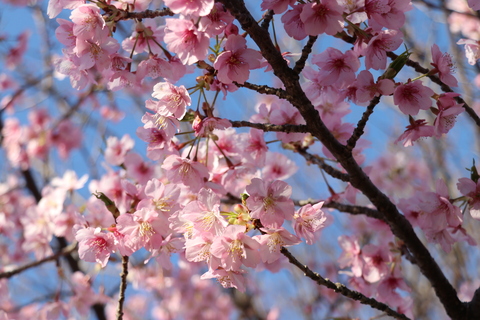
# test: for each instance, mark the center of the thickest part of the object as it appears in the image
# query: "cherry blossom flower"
(186, 171)
(235, 248)
(94, 245)
(376, 51)
(336, 67)
(367, 88)
(227, 278)
(292, 23)
(412, 97)
(235, 62)
(117, 149)
(444, 66)
(416, 130)
(270, 202)
(197, 8)
(324, 16)
(470, 189)
(183, 38)
(88, 23)
(278, 6)
(69, 181)
(472, 50)
(308, 220)
(350, 256)
(216, 21)
(448, 110)
(172, 99)
(376, 260)
(475, 5)
(272, 242)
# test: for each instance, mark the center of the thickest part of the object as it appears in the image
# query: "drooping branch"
(360, 129)
(53, 257)
(267, 127)
(123, 287)
(399, 225)
(342, 289)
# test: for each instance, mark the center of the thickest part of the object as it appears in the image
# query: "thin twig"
(267, 127)
(64, 251)
(360, 129)
(322, 165)
(342, 289)
(123, 287)
(355, 210)
(263, 89)
(267, 18)
(300, 64)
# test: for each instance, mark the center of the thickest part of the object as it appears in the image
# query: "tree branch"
(342, 289)
(267, 127)
(399, 225)
(359, 130)
(123, 287)
(300, 64)
(64, 251)
(263, 89)
(323, 166)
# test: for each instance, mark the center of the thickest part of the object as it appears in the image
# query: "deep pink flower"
(412, 97)
(367, 88)
(376, 51)
(471, 190)
(448, 110)
(292, 23)
(416, 130)
(324, 16)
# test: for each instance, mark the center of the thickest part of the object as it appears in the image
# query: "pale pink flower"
(145, 38)
(308, 220)
(15, 54)
(88, 23)
(117, 149)
(416, 130)
(472, 50)
(94, 245)
(69, 181)
(235, 62)
(138, 169)
(256, 147)
(412, 97)
(172, 99)
(56, 6)
(387, 13)
(350, 256)
(205, 213)
(154, 67)
(336, 68)
(273, 241)
(183, 38)
(198, 8)
(235, 248)
(270, 202)
(278, 167)
(168, 246)
(96, 53)
(228, 279)
(191, 173)
(204, 127)
(324, 16)
(444, 66)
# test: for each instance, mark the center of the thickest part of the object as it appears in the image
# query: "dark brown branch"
(263, 89)
(64, 251)
(399, 225)
(355, 210)
(322, 165)
(342, 289)
(300, 64)
(123, 287)
(115, 14)
(267, 18)
(359, 130)
(267, 127)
